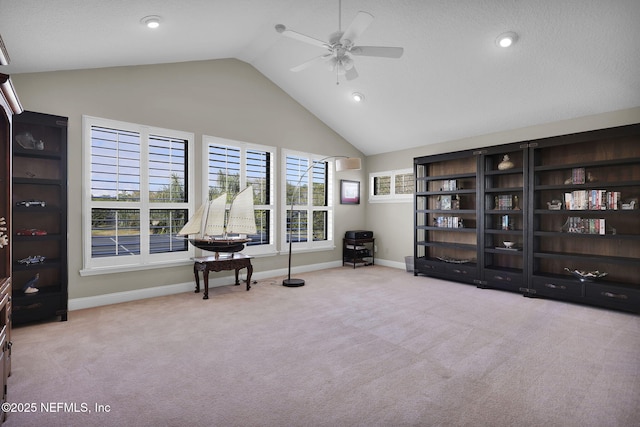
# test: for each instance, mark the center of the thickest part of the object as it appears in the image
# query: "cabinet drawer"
(503, 279)
(425, 266)
(557, 288)
(623, 298)
(462, 271)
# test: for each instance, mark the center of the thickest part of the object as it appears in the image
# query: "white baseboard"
(392, 264)
(136, 294)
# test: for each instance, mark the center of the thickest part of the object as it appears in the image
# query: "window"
(137, 194)
(391, 186)
(232, 166)
(307, 184)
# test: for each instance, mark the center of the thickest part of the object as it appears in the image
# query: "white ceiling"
(574, 57)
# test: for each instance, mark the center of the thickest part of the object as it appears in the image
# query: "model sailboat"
(207, 229)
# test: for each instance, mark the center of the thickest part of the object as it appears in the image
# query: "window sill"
(392, 200)
(128, 268)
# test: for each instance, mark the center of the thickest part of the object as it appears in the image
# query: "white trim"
(102, 265)
(207, 140)
(138, 294)
(310, 244)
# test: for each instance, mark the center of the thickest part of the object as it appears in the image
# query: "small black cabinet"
(358, 251)
(39, 203)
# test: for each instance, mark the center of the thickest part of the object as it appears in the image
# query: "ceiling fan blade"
(360, 23)
(380, 51)
(310, 62)
(351, 73)
(303, 38)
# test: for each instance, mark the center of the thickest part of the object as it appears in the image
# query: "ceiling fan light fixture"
(506, 39)
(347, 62)
(151, 21)
(357, 97)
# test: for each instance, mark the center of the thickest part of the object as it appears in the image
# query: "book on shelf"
(580, 200)
(447, 222)
(504, 202)
(449, 185)
(576, 224)
(577, 176)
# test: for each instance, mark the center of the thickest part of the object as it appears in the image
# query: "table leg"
(195, 272)
(205, 273)
(249, 273)
(237, 281)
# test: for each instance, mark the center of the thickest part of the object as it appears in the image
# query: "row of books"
(575, 224)
(577, 176)
(450, 185)
(503, 202)
(592, 200)
(448, 222)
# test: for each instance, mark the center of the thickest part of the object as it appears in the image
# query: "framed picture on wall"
(349, 192)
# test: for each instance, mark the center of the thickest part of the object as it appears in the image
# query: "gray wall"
(225, 98)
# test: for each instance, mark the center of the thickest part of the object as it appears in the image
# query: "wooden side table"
(236, 262)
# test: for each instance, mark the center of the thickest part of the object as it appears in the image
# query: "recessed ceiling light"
(506, 39)
(358, 97)
(151, 21)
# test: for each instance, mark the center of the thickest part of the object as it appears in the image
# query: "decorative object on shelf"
(455, 202)
(4, 239)
(349, 192)
(29, 203)
(210, 231)
(31, 232)
(516, 203)
(343, 163)
(586, 276)
(445, 203)
(32, 259)
(554, 205)
(508, 244)
(505, 164)
(30, 286)
(455, 261)
(630, 205)
(28, 142)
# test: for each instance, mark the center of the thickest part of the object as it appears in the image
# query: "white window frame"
(392, 197)
(145, 260)
(310, 245)
(207, 141)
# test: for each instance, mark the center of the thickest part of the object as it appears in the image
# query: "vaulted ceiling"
(573, 57)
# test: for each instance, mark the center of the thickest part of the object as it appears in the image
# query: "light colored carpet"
(371, 346)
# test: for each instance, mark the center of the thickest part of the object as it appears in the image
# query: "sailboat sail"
(214, 225)
(209, 219)
(241, 215)
(194, 225)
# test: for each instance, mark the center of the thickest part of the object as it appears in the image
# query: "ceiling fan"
(341, 46)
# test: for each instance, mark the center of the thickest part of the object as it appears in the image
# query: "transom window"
(391, 186)
(138, 196)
